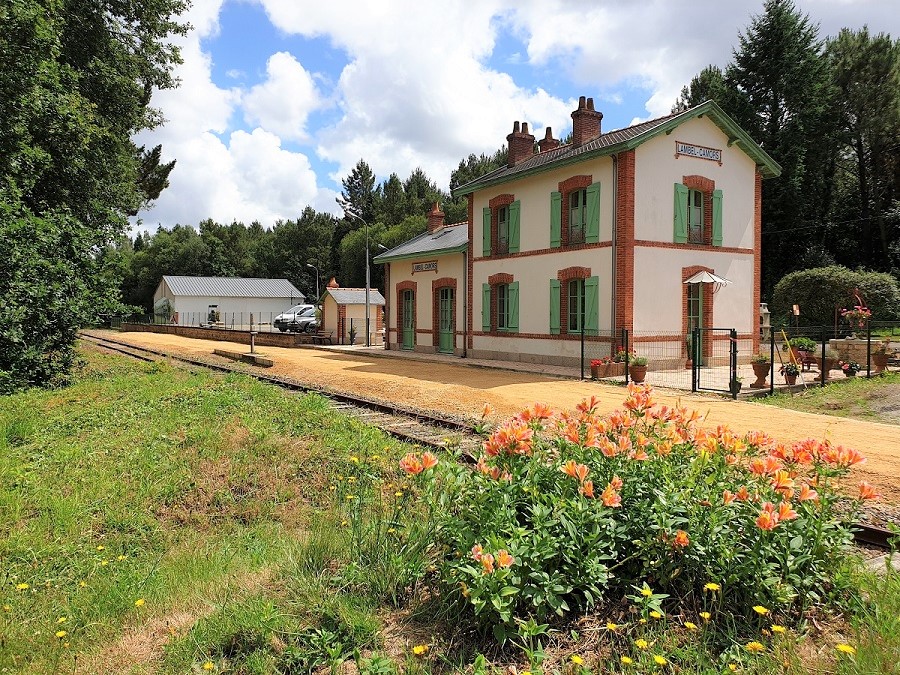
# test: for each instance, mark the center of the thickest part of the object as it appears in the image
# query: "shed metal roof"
(627, 139)
(232, 287)
(448, 239)
(356, 296)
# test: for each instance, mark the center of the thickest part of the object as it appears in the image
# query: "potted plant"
(857, 317)
(790, 370)
(596, 365)
(879, 356)
(850, 368)
(735, 385)
(637, 368)
(761, 366)
(802, 349)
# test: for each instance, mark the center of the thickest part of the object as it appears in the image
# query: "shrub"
(819, 290)
(564, 511)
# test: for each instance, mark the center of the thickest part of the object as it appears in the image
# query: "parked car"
(298, 319)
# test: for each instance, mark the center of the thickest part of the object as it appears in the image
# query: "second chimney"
(520, 144)
(435, 218)
(548, 142)
(585, 122)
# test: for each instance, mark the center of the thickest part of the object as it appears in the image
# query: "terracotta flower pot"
(595, 372)
(638, 373)
(880, 362)
(790, 379)
(761, 371)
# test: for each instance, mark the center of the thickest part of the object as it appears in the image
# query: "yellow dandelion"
(626, 660)
(712, 587)
(100, 547)
(209, 665)
(641, 643)
(526, 672)
(104, 563)
(376, 457)
(646, 592)
(7, 608)
(332, 488)
(140, 602)
(778, 629)
(659, 660)
(66, 645)
(759, 609)
(611, 626)
(61, 619)
(350, 497)
(61, 634)
(755, 647)
(577, 660)
(398, 494)
(845, 649)
(642, 621)
(391, 530)
(419, 650)
(352, 479)
(706, 616)
(354, 459)
(690, 625)
(82, 584)
(655, 615)
(120, 557)
(343, 523)
(732, 667)
(22, 587)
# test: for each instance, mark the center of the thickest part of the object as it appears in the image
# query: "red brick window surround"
(707, 295)
(565, 276)
(494, 205)
(401, 287)
(494, 281)
(436, 286)
(705, 186)
(566, 188)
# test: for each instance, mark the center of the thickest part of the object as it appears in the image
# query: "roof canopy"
(705, 277)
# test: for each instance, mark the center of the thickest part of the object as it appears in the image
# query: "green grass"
(876, 399)
(267, 534)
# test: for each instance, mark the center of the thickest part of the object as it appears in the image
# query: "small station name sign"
(698, 151)
(427, 266)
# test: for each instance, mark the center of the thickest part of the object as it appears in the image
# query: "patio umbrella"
(705, 277)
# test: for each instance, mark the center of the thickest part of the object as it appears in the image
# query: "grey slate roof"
(623, 139)
(232, 287)
(355, 296)
(446, 239)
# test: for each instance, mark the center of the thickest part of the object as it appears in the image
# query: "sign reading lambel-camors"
(698, 151)
(430, 266)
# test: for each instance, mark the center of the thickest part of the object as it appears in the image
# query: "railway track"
(405, 424)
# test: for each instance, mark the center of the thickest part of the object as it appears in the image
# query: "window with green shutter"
(592, 306)
(486, 232)
(515, 212)
(575, 309)
(486, 308)
(577, 213)
(512, 323)
(554, 306)
(592, 214)
(681, 213)
(717, 218)
(695, 217)
(555, 219)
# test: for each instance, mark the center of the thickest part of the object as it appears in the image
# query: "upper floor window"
(503, 229)
(577, 216)
(695, 217)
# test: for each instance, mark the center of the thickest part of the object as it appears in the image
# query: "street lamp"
(347, 212)
(317, 282)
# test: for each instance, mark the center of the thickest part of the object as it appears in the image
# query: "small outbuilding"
(191, 301)
(344, 309)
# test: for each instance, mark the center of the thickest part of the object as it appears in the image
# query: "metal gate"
(714, 356)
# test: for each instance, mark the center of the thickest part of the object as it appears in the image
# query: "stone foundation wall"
(239, 336)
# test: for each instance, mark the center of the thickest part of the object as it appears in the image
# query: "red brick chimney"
(585, 122)
(435, 218)
(520, 144)
(548, 142)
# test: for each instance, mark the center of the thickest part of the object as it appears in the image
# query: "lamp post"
(359, 218)
(317, 282)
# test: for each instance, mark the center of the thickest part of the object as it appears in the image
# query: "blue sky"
(281, 98)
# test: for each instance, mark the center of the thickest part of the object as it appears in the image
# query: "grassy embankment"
(876, 399)
(153, 520)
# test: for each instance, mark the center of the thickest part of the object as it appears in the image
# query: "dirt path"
(462, 390)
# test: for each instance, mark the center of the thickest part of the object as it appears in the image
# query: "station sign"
(698, 151)
(428, 266)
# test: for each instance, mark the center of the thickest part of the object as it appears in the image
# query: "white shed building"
(229, 300)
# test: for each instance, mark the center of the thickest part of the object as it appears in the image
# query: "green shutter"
(592, 224)
(514, 211)
(486, 232)
(486, 308)
(681, 209)
(717, 218)
(513, 324)
(592, 305)
(555, 219)
(554, 306)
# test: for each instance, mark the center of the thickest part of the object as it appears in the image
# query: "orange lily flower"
(504, 559)
(681, 539)
(429, 461)
(411, 464)
(867, 491)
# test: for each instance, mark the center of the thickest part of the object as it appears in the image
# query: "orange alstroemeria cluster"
(414, 464)
(490, 562)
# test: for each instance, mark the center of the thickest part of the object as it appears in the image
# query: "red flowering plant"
(575, 509)
(858, 316)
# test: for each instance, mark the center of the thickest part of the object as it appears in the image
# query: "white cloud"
(282, 103)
